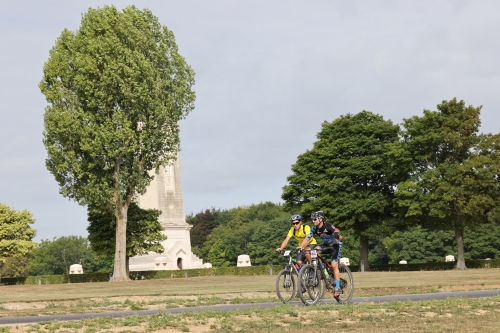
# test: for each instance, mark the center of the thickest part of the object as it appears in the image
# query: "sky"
(268, 74)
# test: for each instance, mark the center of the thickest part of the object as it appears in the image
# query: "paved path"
(228, 307)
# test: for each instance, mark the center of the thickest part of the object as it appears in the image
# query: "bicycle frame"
(291, 262)
(325, 281)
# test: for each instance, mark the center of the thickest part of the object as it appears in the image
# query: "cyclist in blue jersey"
(331, 238)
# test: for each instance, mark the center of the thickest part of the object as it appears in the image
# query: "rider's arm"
(283, 245)
(340, 236)
(337, 231)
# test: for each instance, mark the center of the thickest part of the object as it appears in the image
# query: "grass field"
(439, 316)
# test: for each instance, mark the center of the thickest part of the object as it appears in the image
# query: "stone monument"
(75, 269)
(165, 193)
(243, 261)
(344, 261)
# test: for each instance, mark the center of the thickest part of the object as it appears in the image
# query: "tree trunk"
(363, 252)
(459, 236)
(120, 269)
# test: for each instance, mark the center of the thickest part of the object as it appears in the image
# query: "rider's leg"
(300, 258)
(336, 253)
(307, 252)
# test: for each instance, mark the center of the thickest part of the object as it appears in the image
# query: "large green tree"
(455, 174)
(117, 88)
(347, 175)
(144, 231)
(16, 233)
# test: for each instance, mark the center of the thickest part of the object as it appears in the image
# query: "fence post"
(185, 274)
(39, 280)
(270, 269)
(362, 265)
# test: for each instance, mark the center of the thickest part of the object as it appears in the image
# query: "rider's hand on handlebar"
(299, 249)
(278, 250)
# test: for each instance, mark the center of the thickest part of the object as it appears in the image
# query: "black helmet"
(317, 214)
(296, 217)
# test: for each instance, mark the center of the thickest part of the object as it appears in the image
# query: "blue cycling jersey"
(325, 233)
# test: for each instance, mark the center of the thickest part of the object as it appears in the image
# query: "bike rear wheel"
(286, 287)
(346, 285)
(311, 285)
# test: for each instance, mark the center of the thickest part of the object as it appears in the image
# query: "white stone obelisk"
(165, 193)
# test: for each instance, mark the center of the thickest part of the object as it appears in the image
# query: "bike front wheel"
(311, 285)
(286, 287)
(346, 285)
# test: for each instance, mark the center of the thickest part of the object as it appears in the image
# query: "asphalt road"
(229, 307)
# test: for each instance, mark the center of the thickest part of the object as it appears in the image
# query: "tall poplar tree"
(454, 182)
(347, 175)
(116, 89)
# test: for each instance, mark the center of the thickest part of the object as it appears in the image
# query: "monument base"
(177, 253)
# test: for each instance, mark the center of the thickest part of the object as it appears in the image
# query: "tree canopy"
(347, 175)
(116, 89)
(16, 233)
(455, 170)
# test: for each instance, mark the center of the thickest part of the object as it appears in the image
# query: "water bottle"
(325, 271)
(297, 267)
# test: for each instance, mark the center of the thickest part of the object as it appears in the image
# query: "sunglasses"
(314, 219)
(295, 223)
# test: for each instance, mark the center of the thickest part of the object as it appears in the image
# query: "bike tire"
(346, 285)
(310, 279)
(286, 288)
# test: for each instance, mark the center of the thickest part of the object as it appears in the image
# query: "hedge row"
(241, 271)
(215, 271)
(57, 279)
(431, 266)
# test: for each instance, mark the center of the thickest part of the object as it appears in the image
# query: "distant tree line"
(219, 236)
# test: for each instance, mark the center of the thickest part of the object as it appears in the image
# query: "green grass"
(217, 285)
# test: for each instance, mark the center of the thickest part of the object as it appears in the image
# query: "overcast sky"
(268, 73)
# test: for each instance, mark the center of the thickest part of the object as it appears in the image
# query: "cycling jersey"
(325, 233)
(301, 233)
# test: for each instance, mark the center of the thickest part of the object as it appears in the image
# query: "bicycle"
(286, 286)
(318, 278)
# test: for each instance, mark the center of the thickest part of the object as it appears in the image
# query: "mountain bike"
(318, 278)
(286, 283)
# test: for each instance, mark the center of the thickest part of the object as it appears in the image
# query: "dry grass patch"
(451, 315)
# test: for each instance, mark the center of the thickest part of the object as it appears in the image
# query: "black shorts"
(335, 250)
(301, 256)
